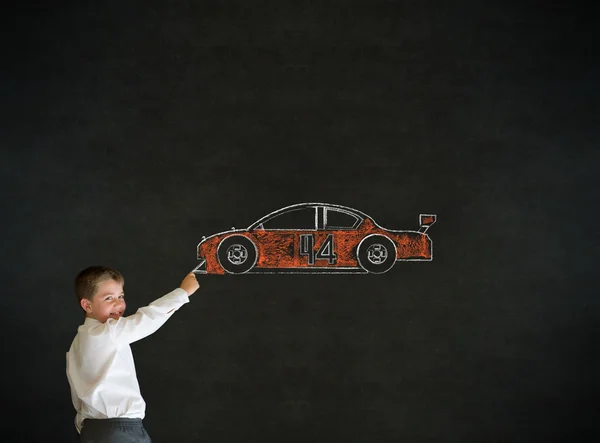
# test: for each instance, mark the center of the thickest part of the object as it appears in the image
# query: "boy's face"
(107, 302)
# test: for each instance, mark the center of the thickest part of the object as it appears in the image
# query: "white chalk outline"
(377, 235)
(255, 254)
(359, 215)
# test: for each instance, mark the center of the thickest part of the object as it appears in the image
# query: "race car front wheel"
(237, 254)
(376, 254)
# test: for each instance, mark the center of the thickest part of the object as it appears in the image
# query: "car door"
(339, 233)
(281, 238)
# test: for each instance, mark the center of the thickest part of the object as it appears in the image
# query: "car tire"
(376, 254)
(237, 254)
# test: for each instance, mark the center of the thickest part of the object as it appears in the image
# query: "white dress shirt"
(100, 366)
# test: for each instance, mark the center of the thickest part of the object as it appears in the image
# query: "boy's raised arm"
(149, 318)
(189, 283)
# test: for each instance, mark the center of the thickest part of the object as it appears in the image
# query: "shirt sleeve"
(147, 319)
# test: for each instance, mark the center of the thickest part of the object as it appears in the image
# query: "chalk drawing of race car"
(313, 238)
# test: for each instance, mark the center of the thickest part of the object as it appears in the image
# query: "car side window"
(304, 218)
(340, 220)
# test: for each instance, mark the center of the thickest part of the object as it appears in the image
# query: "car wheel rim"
(377, 254)
(237, 254)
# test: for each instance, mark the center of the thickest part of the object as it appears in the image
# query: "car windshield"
(304, 218)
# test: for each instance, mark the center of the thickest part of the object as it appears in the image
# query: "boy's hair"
(87, 280)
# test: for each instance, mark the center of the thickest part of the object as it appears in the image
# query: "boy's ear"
(86, 305)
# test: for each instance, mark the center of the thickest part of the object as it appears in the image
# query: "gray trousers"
(114, 430)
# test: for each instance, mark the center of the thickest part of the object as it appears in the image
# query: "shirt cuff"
(182, 295)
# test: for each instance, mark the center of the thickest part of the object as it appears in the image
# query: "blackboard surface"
(130, 130)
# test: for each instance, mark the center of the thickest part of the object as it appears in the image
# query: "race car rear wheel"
(376, 254)
(237, 254)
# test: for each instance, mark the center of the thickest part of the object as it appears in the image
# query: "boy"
(100, 367)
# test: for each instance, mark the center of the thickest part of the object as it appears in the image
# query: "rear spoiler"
(426, 220)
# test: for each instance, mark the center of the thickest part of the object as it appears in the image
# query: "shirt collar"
(89, 321)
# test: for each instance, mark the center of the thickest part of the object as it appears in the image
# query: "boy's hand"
(189, 284)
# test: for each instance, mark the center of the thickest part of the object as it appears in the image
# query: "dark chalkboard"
(130, 130)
